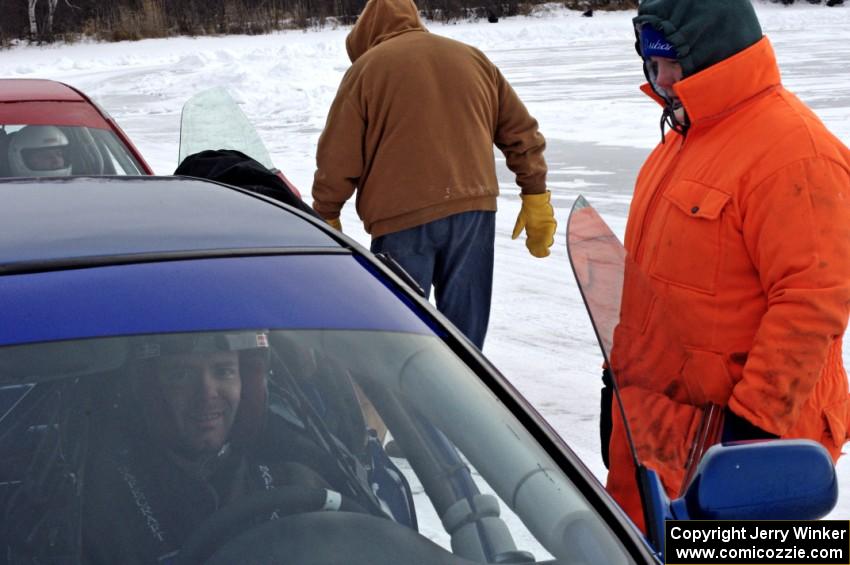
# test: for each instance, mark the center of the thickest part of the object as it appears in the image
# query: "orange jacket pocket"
(708, 378)
(688, 245)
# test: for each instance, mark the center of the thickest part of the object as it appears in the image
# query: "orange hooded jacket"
(413, 125)
(743, 228)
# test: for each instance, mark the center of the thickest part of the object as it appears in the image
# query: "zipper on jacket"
(653, 201)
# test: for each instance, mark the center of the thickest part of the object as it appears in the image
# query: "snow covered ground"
(578, 76)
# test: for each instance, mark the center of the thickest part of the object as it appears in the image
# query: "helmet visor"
(45, 158)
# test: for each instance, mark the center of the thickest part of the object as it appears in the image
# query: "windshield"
(313, 446)
(47, 150)
(212, 119)
(669, 422)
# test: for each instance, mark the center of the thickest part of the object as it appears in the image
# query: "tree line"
(115, 20)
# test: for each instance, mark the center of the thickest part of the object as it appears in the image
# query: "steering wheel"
(237, 517)
(331, 538)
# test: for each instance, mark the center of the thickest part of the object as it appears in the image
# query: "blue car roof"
(103, 256)
(56, 221)
(271, 292)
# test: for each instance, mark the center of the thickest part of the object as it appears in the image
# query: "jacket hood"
(379, 21)
(703, 32)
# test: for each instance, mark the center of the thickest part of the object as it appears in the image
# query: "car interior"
(90, 151)
(64, 405)
(52, 430)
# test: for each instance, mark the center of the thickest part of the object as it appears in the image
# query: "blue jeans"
(455, 255)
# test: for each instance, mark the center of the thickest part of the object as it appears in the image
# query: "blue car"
(194, 373)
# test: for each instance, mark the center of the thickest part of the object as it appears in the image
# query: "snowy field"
(578, 76)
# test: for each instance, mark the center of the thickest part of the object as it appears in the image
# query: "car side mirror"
(761, 480)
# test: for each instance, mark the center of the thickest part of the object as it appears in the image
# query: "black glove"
(605, 423)
(736, 428)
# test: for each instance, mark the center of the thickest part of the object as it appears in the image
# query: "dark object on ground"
(831, 3)
(587, 14)
(237, 169)
(492, 18)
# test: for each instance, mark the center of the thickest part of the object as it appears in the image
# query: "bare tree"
(33, 21)
(51, 9)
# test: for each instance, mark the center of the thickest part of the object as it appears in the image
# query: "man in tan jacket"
(412, 130)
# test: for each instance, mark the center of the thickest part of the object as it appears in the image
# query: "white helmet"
(39, 151)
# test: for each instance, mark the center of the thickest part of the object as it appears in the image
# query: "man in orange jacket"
(740, 221)
(412, 130)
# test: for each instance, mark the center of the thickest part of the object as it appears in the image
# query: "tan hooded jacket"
(413, 125)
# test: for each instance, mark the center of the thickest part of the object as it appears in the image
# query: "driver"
(190, 449)
(39, 151)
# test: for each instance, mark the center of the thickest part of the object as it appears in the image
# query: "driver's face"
(46, 159)
(202, 392)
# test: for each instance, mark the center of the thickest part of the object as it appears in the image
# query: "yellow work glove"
(537, 218)
(335, 224)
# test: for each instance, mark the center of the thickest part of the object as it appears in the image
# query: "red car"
(48, 128)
